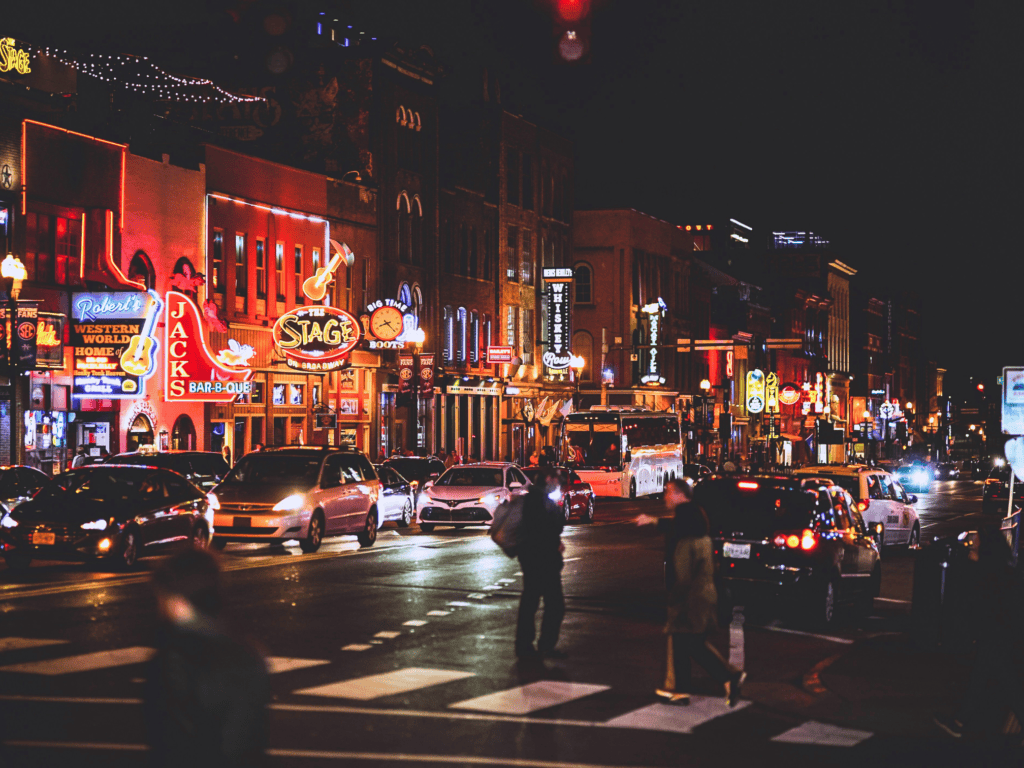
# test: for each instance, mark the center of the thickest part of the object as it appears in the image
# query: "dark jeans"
(540, 580)
(695, 647)
(996, 676)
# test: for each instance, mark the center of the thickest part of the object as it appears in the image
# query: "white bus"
(623, 451)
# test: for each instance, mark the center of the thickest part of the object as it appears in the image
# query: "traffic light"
(572, 31)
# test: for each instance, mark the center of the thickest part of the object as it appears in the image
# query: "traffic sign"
(1013, 401)
(886, 409)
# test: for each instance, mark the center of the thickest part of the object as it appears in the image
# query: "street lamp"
(577, 363)
(705, 387)
(13, 273)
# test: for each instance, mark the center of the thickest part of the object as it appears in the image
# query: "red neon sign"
(316, 338)
(499, 355)
(191, 372)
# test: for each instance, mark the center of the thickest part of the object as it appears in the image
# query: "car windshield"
(849, 482)
(108, 486)
(471, 476)
(146, 460)
(754, 508)
(412, 469)
(533, 472)
(275, 469)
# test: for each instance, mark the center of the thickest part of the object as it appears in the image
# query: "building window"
(68, 249)
(486, 269)
(217, 261)
(527, 354)
(418, 310)
(241, 273)
(512, 269)
(526, 265)
(448, 343)
(528, 182)
(256, 398)
(486, 339)
(461, 335)
(296, 394)
(474, 337)
(449, 248)
(417, 234)
(512, 328)
(279, 394)
(512, 177)
(581, 279)
(38, 247)
(583, 345)
(261, 268)
(279, 269)
(299, 298)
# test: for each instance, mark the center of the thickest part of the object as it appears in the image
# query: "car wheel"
(369, 534)
(588, 516)
(130, 550)
(632, 490)
(406, 518)
(200, 538)
(914, 542)
(566, 508)
(822, 607)
(315, 536)
(18, 561)
(426, 527)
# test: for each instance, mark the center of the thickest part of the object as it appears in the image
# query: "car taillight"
(808, 541)
(747, 485)
(805, 540)
(993, 481)
(862, 506)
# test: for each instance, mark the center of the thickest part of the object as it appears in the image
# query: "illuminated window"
(217, 262)
(261, 268)
(68, 249)
(279, 269)
(527, 336)
(296, 394)
(241, 275)
(316, 259)
(279, 394)
(512, 177)
(474, 337)
(512, 327)
(299, 298)
(461, 335)
(526, 264)
(448, 343)
(512, 254)
(417, 232)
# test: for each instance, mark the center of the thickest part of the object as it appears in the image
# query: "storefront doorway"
(183, 435)
(140, 433)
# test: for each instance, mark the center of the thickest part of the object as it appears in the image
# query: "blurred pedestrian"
(206, 692)
(998, 620)
(451, 460)
(692, 598)
(540, 557)
(257, 447)
(548, 458)
(79, 460)
(225, 452)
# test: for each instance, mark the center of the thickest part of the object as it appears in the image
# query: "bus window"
(596, 447)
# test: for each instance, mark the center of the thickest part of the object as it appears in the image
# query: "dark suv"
(203, 468)
(808, 546)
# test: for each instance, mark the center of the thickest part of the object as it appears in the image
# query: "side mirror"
(912, 498)
(515, 484)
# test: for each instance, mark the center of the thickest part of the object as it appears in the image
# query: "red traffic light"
(981, 387)
(571, 11)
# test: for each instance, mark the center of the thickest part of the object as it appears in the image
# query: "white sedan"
(468, 494)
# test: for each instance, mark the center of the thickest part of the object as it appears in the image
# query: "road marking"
(86, 662)
(276, 664)
(414, 623)
(529, 698)
(17, 643)
(460, 604)
(893, 600)
(571, 559)
(813, 732)
(438, 613)
(357, 647)
(494, 586)
(386, 684)
(676, 719)
(387, 635)
(69, 699)
(829, 638)
(507, 581)
(476, 595)
(78, 745)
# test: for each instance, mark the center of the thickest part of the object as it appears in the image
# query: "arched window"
(474, 337)
(405, 294)
(448, 344)
(486, 339)
(183, 434)
(416, 124)
(582, 278)
(400, 116)
(417, 305)
(461, 335)
(583, 345)
(141, 268)
(417, 230)
(404, 226)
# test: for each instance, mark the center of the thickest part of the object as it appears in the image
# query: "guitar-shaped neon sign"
(137, 360)
(315, 287)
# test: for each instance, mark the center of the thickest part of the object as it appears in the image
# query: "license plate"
(39, 537)
(740, 551)
(243, 522)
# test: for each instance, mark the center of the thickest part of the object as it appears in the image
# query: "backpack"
(508, 518)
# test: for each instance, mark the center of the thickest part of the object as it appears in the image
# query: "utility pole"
(604, 355)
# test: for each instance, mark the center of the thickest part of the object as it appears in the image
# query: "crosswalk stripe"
(386, 684)
(83, 663)
(530, 698)
(675, 718)
(17, 643)
(276, 664)
(813, 732)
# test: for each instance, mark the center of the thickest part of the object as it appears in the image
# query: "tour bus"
(623, 451)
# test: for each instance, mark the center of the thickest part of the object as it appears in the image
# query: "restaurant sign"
(558, 355)
(655, 312)
(50, 341)
(316, 338)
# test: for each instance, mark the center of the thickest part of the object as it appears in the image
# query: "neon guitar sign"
(315, 287)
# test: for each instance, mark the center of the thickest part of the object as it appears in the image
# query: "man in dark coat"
(206, 693)
(540, 555)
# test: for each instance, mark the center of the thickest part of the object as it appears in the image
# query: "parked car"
(774, 539)
(947, 471)
(468, 494)
(917, 476)
(204, 468)
(576, 497)
(696, 471)
(114, 513)
(880, 498)
(304, 493)
(396, 497)
(19, 484)
(417, 470)
(995, 492)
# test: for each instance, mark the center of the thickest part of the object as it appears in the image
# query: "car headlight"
(291, 503)
(556, 495)
(9, 522)
(490, 499)
(213, 502)
(921, 477)
(95, 525)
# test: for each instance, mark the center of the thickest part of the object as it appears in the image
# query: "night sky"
(892, 128)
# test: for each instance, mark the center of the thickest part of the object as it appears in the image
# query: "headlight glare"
(9, 522)
(291, 503)
(95, 525)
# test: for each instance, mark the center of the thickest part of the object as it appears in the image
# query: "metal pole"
(604, 354)
(1009, 516)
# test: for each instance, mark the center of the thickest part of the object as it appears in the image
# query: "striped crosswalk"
(539, 701)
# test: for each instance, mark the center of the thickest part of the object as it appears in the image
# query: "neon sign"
(755, 391)
(389, 324)
(12, 58)
(113, 341)
(790, 394)
(558, 356)
(771, 387)
(191, 373)
(655, 312)
(316, 338)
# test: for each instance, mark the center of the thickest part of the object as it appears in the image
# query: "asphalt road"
(435, 613)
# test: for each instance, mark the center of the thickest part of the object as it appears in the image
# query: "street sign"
(1013, 401)
(886, 409)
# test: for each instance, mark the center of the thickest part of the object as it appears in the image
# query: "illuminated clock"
(386, 323)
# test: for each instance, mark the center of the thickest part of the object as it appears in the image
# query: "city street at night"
(434, 616)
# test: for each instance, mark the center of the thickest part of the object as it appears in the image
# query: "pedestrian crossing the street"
(526, 703)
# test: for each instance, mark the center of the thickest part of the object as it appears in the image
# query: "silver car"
(469, 494)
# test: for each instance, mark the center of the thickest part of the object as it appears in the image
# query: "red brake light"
(709, 227)
(779, 540)
(747, 485)
(808, 540)
(862, 506)
(993, 481)
(792, 541)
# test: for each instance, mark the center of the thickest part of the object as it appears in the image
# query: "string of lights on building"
(139, 74)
